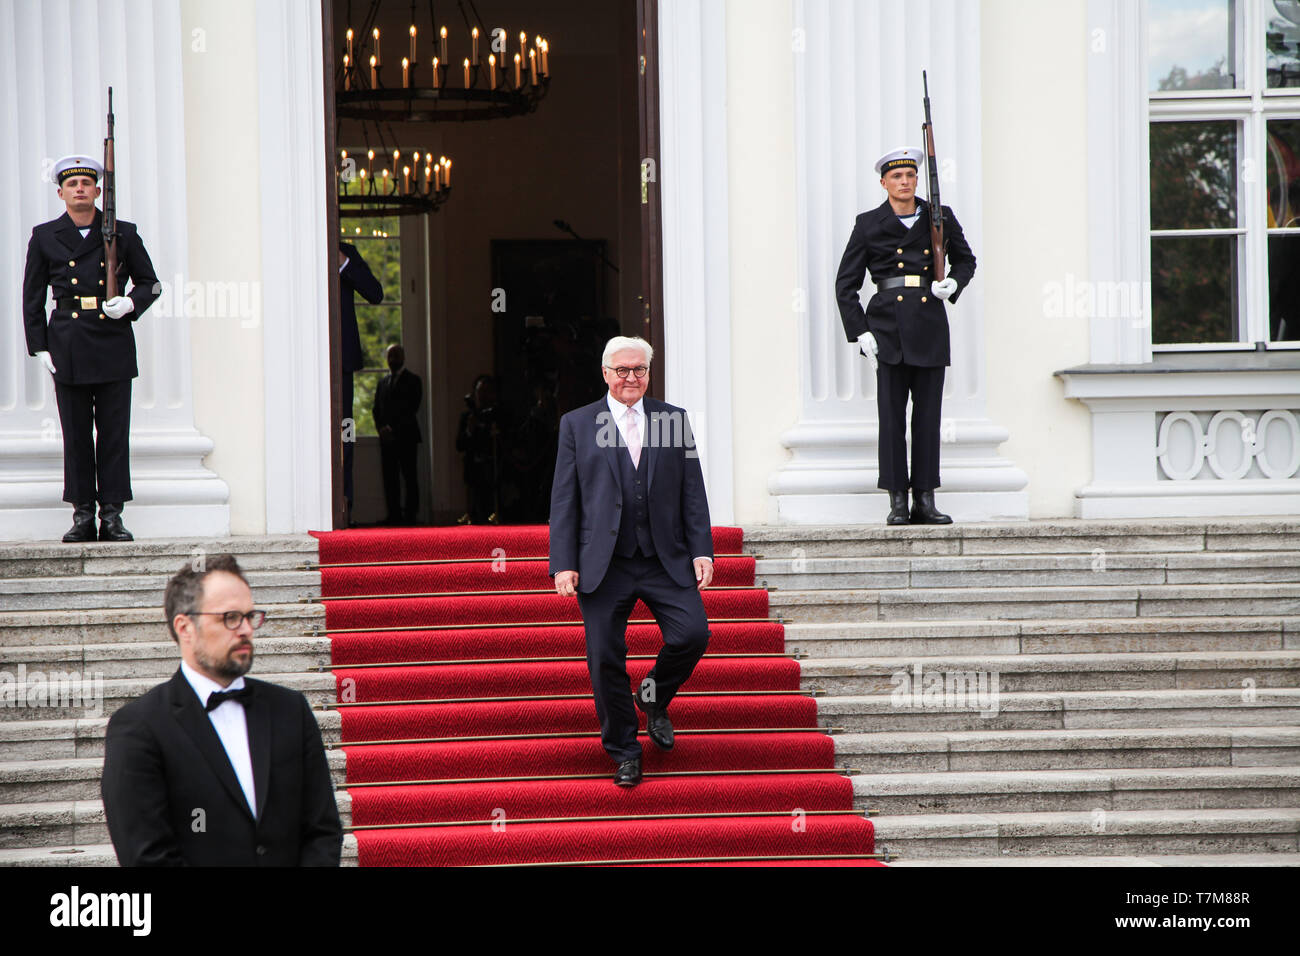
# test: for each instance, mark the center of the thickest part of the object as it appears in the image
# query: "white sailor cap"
(78, 164)
(905, 157)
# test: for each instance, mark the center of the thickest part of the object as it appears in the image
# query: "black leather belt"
(89, 303)
(900, 282)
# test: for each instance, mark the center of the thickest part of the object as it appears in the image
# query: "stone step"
(141, 590)
(88, 695)
(1212, 860)
(158, 556)
(1088, 833)
(51, 781)
(1035, 791)
(1042, 636)
(281, 655)
(1104, 749)
(1045, 673)
(102, 855)
(1015, 603)
(1098, 569)
(1056, 536)
(64, 739)
(118, 625)
(1063, 710)
(78, 823)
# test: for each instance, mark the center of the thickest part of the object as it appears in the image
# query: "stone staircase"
(93, 613)
(1146, 707)
(1119, 692)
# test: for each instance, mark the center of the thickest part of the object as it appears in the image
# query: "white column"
(693, 197)
(857, 93)
(297, 266)
(58, 59)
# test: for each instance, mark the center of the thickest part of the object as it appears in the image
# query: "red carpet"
(476, 742)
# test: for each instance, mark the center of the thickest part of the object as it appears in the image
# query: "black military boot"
(83, 524)
(110, 523)
(898, 508)
(923, 510)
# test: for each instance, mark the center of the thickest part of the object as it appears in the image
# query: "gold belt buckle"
(912, 282)
(88, 302)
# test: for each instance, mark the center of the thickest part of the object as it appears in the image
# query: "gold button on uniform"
(900, 252)
(101, 281)
(74, 281)
(72, 262)
(101, 315)
(900, 265)
(74, 314)
(927, 252)
(900, 298)
(922, 299)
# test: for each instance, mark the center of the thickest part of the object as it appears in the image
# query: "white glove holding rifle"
(867, 345)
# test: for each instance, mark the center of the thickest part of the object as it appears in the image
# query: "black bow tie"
(219, 697)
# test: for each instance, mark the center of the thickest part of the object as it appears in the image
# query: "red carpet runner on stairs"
(471, 736)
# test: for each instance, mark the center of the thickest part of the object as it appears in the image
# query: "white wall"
(1035, 233)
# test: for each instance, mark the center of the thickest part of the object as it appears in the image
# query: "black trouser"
(398, 461)
(893, 384)
(679, 613)
(96, 422)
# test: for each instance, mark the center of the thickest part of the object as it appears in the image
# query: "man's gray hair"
(620, 342)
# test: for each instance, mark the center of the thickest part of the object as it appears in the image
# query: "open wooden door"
(652, 271)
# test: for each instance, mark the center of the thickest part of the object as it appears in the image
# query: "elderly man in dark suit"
(87, 346)
(212, 768)
(629, 520)
(355, 278)
(397, 400)
(906, 326)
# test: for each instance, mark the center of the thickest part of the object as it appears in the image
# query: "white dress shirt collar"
(205, 686)
(620, 410)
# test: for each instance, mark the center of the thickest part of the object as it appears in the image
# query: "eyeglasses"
(232, 619)
(621, 371)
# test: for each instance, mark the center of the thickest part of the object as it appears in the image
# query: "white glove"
(944, 288)
(119, 306)
(867, 345)
(45, 360)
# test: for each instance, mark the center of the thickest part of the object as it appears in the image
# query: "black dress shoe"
(923, 510)
(83, 524)
(657, 724)
(110, 524)
(628, 773)
(898, 513)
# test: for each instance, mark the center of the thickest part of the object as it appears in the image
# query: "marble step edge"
(1001, 741)
(258, 581)
(1093, 564)
(1209, 860)
(1066, 700)
(102, 855)
(1086, 824)
(91, 812)
(1037, 528)
(1127, 661)
(1043, 626)
(970, 782)
(90, 768)
(181, 547)
(998, 594)
(121, 652)
(96, 728)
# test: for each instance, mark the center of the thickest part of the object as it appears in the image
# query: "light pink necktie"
(633, 438)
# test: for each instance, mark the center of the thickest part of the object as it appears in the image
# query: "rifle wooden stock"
(111, 290)
(936, 204)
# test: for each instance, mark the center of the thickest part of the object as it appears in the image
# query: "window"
(1225, 172)
(380, 244)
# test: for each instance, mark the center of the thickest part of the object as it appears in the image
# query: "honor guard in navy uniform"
(87, 344)
(903, 331)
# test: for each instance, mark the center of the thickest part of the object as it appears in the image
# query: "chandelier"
(373, 184)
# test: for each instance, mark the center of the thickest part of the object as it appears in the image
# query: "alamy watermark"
(54, 689)
(945, 690)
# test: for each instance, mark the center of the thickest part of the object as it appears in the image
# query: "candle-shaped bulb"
(473, 34)
(446, 174)
(379, 60)
(374, 77)
(467, 73)
(442, 44)
(406, 73)
(412, 57)
(370, 155)
(437, 77)
(492, 70)
(518, 83)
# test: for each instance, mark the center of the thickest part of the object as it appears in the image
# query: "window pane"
(1283, 162)
(1194, 290)
(1194, 175)
(363, 401)
(1191, 45)
(1284, 288)
(1282, 42)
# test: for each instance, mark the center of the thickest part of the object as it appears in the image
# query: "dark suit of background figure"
(631, 533)
(163, 760)
(910, 326)
(354, 277)
(397, 399)
(93, 354)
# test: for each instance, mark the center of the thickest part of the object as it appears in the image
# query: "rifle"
(111, 290)
(936, 207)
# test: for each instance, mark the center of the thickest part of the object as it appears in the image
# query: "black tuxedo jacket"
(163, 762)
(587, 494)
(396, 404)
(355, 277)
(906, 329)
(86, 346)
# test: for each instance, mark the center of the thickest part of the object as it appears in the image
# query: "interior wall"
(575, 159)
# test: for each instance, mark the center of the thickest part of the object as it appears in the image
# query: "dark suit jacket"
(355, 277)
(86, 347)
(909, 330)
(163, 760)
(396, 404)
(587, 496)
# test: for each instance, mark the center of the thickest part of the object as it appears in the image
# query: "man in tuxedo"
(212, 768)
(903, 331)
(397, 400)
(88, 345)
(629, 520)
(355, 278)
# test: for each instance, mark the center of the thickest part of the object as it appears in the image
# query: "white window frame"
(1251, 106)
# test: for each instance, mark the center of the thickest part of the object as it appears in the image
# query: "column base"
(1188, 499)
